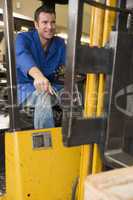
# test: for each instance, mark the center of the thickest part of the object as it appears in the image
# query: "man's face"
(46, 25)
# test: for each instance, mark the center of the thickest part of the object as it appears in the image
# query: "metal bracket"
(94, 60)
(85, 131)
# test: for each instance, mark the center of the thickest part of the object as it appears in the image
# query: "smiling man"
(39, 54)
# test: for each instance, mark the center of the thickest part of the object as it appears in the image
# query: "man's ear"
(36, 24)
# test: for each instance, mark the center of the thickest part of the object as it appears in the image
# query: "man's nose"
(49, 25)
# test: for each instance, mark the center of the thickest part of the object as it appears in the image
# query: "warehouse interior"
(88, 155)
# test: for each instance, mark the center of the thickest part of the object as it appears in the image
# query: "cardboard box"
(112, 185)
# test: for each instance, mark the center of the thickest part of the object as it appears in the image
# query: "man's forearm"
(41, 83)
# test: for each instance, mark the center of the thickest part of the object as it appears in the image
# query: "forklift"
(51, 164)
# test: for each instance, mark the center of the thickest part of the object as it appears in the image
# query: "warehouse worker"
(39, 54)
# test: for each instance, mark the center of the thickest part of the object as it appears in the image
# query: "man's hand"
(41, 83)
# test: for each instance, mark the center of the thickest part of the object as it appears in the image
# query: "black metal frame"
(110, 8)
(87, 131)
(78, 56)
(11, 65)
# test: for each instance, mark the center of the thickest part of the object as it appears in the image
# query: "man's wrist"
(35, 73)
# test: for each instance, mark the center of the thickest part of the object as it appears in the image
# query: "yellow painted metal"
(96, 36)
(41, 173)
(97, 163)
(3, 197)
(86, 150)
(109, 20)
(90, 95)
(84, 169)
(92, 24)
(107, 26)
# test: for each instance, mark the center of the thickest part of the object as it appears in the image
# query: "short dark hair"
(47, 8)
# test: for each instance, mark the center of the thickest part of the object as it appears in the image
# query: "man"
(39, 54)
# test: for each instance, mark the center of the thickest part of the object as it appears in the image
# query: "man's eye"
(45, 22)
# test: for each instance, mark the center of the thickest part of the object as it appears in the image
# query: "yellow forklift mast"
(51, 164)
